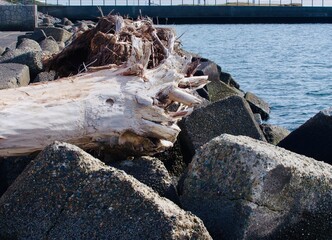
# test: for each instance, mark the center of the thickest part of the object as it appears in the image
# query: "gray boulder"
(258, 105)
(2, 50)
(28, 45)
(231, 115)
(258, 119)
(173, 160)
(13, 75)
(274, 134)
(215, 73)
(229, 80)
(221, 84)
(46, 21)
(66, 22)
(153, 173)
(68, 28)
(32, 59)
(49, 45)
(247, 189)
(82, 26)
(313, 138)
(45, 76)
(209, 68)
(58, 34)
(65, 193)
(61, 45)
(218, 90)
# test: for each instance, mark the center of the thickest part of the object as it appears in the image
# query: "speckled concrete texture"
(65, 193)
(243, 188)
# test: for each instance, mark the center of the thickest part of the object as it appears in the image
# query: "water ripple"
(289, 66)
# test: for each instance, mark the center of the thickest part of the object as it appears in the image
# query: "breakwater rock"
(247, 189)
(313, 138)
(65, 193)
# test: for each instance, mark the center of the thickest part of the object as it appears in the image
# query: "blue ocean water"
(288, 65)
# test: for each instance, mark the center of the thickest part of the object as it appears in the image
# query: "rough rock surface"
(46, 21)
(49, 45)
(173, 160)
(229, 80)
(218, 90)
(231, 115)
(221, 85)
(247, 189)
(2, 50)
(313, 138)
(45, 76)
(215, 73)
(13, 75)
(58, 34)
(65, 193)
(153, 173)
(258, 105)
(274, 134)
(32, 59)
(28, 45)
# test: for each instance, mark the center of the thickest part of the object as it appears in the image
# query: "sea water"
(287, 65)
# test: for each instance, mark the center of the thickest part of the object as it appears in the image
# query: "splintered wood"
(119, 83)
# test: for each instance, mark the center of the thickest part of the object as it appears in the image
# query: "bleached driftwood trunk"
(124, 107)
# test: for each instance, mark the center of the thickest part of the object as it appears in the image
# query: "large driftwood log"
(123, 105)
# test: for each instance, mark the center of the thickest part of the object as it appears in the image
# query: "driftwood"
(134, 88)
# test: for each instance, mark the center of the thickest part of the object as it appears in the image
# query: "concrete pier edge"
(200, 14)
(18, 17)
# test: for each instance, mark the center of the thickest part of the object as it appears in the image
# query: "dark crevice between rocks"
(11, 168)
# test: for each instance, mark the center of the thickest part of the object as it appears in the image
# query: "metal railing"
(304, 3)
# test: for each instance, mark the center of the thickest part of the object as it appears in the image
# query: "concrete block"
(231, 115)
(313, 138)
(13, 75)
(32, 59)
(58, 34)
(218, 90)
(258, 105)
